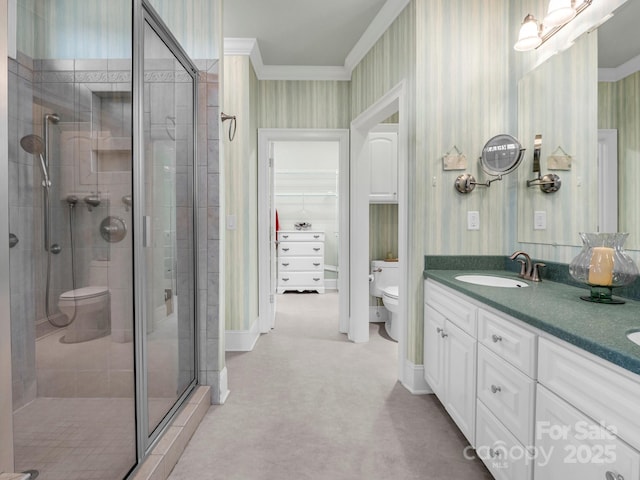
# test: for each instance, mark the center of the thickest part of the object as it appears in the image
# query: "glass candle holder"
(603, 264)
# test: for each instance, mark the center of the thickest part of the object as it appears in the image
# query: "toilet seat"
(84, 293)
(391, 292)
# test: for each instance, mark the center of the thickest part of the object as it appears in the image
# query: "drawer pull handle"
(439, 330)
(316, 279)
(316, 249)
(316, 264)
(285, 249)
(496, 338)
(613, 476)
(285, 279)
(285, 264)
(285, 236)
(495, 389)
(316, 236)
(494, 453)
(443, 334)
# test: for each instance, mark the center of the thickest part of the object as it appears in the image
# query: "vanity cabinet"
(383, 164)
(300, 261)
(450, 355)
(544, 409)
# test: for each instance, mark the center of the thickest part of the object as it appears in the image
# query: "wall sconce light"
(559, 13)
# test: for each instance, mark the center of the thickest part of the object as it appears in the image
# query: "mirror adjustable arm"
(466, 182)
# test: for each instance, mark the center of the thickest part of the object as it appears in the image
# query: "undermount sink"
(491, 281)
(634, 337)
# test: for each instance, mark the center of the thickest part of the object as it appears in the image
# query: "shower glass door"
(167, 206)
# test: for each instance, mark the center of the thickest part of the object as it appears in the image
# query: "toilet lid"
(391, 291)
(84, 292)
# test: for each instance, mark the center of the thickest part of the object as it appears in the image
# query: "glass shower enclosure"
(102, 258)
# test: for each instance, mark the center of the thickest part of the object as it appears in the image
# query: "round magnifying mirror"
(501, 155)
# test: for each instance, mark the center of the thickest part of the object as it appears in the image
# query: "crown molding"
(249, 46)
(618, 73)
(382, 21)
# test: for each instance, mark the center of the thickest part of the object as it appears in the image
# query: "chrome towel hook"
(232, 126)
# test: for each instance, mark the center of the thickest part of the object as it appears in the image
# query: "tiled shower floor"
(75, 438)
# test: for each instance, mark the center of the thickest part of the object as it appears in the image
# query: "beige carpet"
(308, 404)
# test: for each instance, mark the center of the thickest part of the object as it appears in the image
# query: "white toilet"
(89, 308)
(384, 284)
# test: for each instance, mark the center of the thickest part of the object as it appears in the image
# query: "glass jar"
(603, 264)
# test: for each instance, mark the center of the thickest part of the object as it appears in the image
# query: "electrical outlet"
(539, 220)
(473, 220)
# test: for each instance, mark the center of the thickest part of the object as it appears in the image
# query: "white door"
(273, 241)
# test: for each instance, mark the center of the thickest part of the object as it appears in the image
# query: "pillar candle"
(601, 266)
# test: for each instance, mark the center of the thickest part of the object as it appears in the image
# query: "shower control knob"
(113, 229)
(56, 249)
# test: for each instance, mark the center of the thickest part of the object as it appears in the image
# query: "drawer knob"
(285, 264)
(285, 279)
(496, 338)
(285, 236)
(316, 236)
(443, 334)
(495, 389)
(316, 279)
(613, 476)
(439, 330)
(316, 264)
(316, 249)
(285, 249)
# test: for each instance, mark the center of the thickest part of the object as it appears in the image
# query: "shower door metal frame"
(144, 14)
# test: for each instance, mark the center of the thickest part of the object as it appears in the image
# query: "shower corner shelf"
(110, 144)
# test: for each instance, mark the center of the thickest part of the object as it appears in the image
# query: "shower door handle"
(146, 231)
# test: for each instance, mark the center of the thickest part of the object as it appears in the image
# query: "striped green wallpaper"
(304, 104)
(383, 231)
(619, 108)
(241, 190)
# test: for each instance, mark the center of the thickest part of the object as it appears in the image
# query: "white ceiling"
(618, 37)
(323, 39)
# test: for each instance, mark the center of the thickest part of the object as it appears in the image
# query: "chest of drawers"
(300, 261)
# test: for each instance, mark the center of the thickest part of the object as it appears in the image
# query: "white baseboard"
(378, 314)
(242, 340)
(331, 284)
(223, 388)
(414, 379)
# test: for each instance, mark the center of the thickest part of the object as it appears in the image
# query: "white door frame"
(394, 101)
(266, 218)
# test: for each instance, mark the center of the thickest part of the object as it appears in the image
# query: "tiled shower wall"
(22, 212)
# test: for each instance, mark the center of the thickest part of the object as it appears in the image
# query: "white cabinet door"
(434, 350)
(571, 445)
(460, 379)
(383, 167)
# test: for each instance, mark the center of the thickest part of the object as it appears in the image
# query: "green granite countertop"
(556, 308)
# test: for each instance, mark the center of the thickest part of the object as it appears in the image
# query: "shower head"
(72, 200)
(34, 145)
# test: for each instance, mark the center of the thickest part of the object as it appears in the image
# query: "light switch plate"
(231, 222)
(473, 220)
(539, 220)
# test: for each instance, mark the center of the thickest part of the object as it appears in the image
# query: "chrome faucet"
(528, 270)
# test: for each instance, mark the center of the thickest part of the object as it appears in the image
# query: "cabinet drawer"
(300, 264)
(602, 393)
(301, 236)
(300, 249)
(500, 451)
(300, 279)
(577, 447)
(508, 393)
(510, 341)
(452, 306)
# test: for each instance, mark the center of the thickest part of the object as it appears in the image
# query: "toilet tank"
(386, 276)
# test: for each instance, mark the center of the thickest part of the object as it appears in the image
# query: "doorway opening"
(303, 228)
